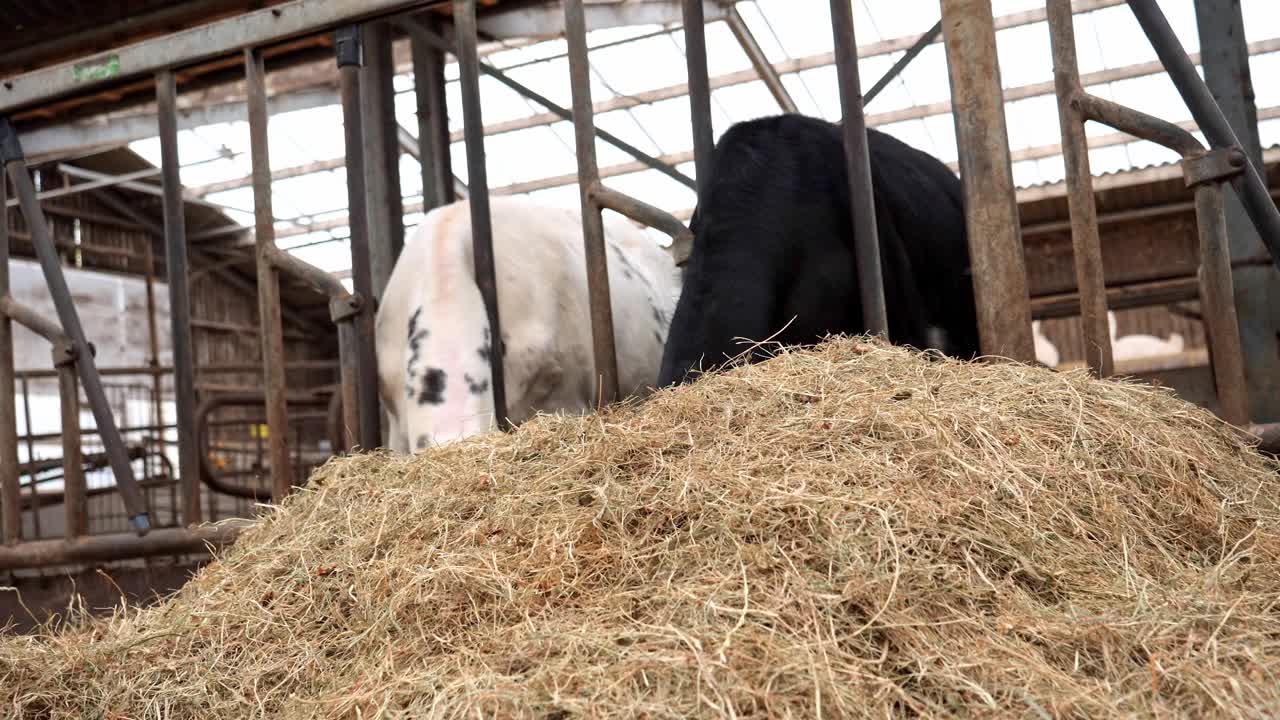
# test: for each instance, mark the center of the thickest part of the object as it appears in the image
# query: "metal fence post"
(991, 208)
(175, 233)
(382, 156)
(11, 155)
(695, 53)
(602, 333)
(862, 202)
(464, 24)
(433, 122)
(74, 499)
(10, 480)
(350, 52)
(268, 281)
(1086, 245)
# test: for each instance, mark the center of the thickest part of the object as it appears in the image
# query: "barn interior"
(95, 160)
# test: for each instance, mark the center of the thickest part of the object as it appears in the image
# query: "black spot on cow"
(657, 336)
(432, 390)
(658, 315)
(476, 386)
(423, 441)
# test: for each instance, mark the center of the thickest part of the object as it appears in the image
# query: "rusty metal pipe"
(175, 234)
(1135, 122)
(699, 82)
(350, 56)
(268, 282)
(208, 475)
(1217, 298)
(104, 548)
(991, 208)
(10, 489)
(1086, 243)
(602, 332)
(464, 23)
(765, 69)
(75, 502)
(857, 157)
(641, 212)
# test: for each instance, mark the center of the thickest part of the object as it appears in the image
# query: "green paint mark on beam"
(98, 69)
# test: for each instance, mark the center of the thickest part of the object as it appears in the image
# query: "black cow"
(773, 247)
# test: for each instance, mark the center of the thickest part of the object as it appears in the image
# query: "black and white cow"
(433, 334)
(773, 259)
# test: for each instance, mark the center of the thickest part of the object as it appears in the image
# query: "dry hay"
(855, 531)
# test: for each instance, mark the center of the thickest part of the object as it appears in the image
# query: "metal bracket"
(10, 148)
(1214, 166)
(350, 47)
(64, 353)
(345, 308)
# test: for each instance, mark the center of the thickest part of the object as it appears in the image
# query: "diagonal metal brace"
(121, 465)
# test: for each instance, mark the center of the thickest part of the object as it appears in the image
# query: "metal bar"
(175, 234)
(991, 208)
(1218, 305)
(382, 156)
(602, 334)
(348, 373)
(10, 491)
(104, 548)
(75, 501)
(642, 212)
(153, 356)
(862, 201)
(417, 29)
(31, 447)
(350, 56)
(433, 119)
(205, 42)
(11, 155)
(927, 39)
(1251, 188)
(1224, 57)
(106, 181)
(1137, 123)
(1086, 243)
(268, 281)
(464, 23)
(768, 73)
(695, 54)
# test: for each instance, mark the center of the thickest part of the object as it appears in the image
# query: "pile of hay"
(855, 530)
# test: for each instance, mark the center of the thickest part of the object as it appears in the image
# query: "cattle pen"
(273, 364)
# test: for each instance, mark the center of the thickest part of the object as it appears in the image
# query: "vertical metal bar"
(866, 237)
(1208, 116)
(991, 209)
(153, 343)
(433, 120)
(695, 53)
(1087, 247)
(1219, 308)
(382, 156)
(10, 481)
(31, 453)
(602, 333)
(268, 280)
(175, 234)
(765, 69)
(1224, 56)
(74, 498)
(464, 23)
(921, 43)
(350, 59)
(348, 377)
(113, 444)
